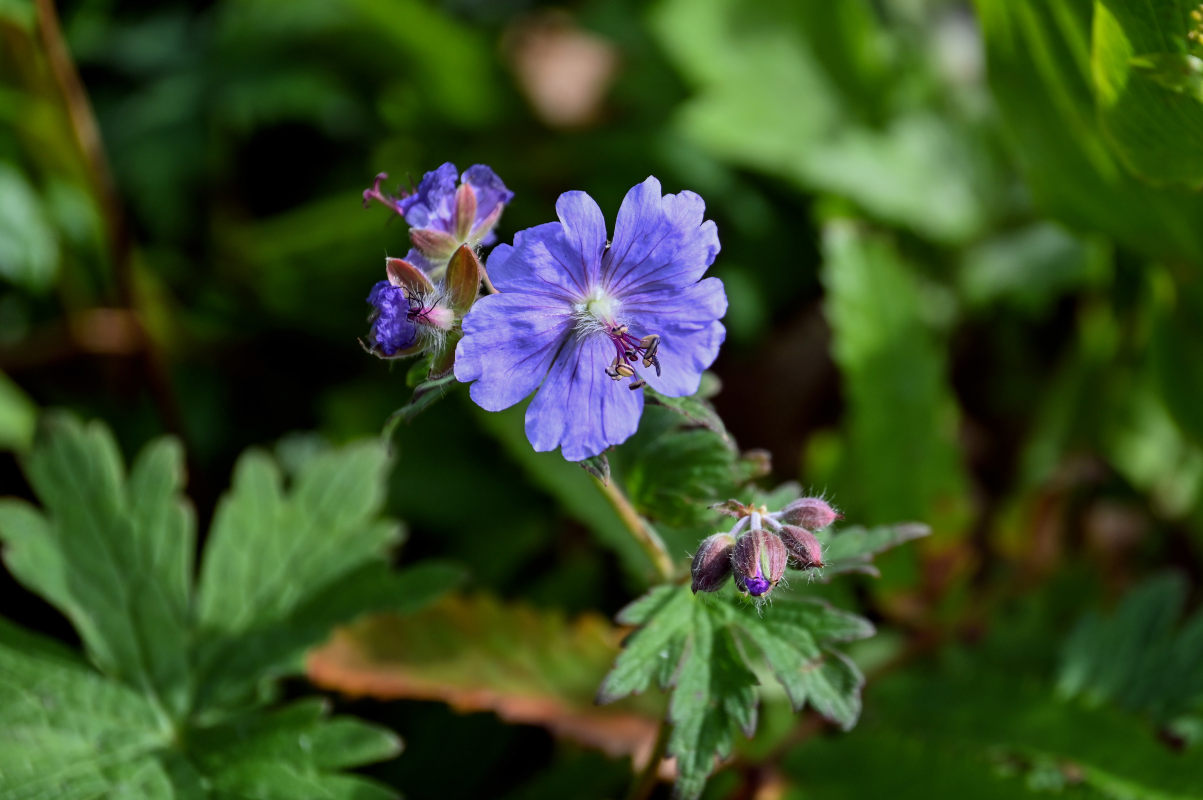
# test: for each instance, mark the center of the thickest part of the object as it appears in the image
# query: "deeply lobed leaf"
(169, 705)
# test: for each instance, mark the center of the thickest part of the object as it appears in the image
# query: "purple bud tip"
(757, 585)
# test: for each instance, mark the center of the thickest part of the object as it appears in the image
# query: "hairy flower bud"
(759, 562)
(802, 546)
(712, 562)
(812, 513)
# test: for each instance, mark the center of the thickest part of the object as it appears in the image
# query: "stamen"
(629, 350)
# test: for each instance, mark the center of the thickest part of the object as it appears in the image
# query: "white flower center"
(595, 313)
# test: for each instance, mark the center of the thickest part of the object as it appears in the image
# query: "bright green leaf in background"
(170, 703)
(18, 416)
(794, 90)
(29, 255)
(1039, 66)
(902, 419)
(1156, 130)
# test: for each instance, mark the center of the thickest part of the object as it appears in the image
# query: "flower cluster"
(428, 291)
(444, 216)
(582, 321)
(760, 545)
(576, 315)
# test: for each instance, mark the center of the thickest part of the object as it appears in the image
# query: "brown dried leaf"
(528, 666)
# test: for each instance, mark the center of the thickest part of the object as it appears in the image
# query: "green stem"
(646, 780)
(640, 530)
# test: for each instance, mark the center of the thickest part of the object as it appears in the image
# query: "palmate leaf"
(169, 704)
(990, 725)
(707, 649)
(1139, 658)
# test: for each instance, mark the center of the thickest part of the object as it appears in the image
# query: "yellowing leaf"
(478, 654)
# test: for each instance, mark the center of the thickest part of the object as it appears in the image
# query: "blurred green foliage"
(963, 245)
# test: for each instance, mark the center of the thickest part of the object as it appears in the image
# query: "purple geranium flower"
(443, 215)
(576, 316)
(434, 206)
(408, 312)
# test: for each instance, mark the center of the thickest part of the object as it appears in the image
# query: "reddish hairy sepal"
(802, 545)
(433, 244)
(712, 563)
(463, 279)
(402, 273)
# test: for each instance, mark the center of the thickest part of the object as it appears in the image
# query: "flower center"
(598, 313)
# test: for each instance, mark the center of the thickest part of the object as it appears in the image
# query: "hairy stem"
(642, 532)
(645, 781)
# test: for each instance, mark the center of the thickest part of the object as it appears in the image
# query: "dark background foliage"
(956, 293)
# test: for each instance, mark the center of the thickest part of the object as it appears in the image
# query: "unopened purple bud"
(712, 562)
(759, 562)
(802, 546)
(812, 513)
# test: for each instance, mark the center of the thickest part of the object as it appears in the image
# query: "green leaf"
(708, 649)
(1029, 269)
(903, 458)
(1174, 349)
(29, 250)
(1039, 64)
(789, 639)
(852, 549)
(1138, 658)
(714, 695)
(1174, 71)
(1156, 130)
(113, 555)
(696, 409)
(18, 416)
(675, 475)
(292, 753)
(983, 721)
(169, 705)
(282, 568)
(742, 60)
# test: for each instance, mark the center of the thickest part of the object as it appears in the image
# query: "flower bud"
(812, 513)
(435, 245)
(758, 562)
(712, 562)
(802, 546)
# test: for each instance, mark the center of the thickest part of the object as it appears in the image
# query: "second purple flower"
(589, 323)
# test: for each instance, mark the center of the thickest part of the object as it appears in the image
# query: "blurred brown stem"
(643, 533)
(645, 781)
(87, 136)
(91, 147)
